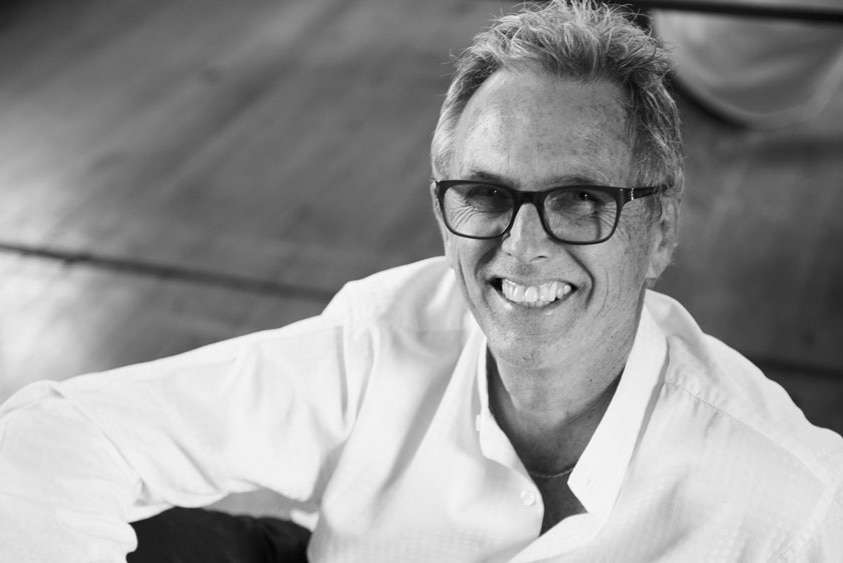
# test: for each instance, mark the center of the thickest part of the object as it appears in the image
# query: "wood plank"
(61, 320)
(318, 117)
(121, 118)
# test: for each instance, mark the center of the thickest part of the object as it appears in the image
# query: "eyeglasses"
(569, 214)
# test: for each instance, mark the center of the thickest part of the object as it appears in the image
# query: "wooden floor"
(175, 172)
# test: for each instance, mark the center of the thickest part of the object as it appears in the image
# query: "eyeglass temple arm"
(631, 194)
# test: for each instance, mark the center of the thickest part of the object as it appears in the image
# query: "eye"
(483, 191)
(579, 202)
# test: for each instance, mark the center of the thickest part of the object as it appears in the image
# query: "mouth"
(533, 296)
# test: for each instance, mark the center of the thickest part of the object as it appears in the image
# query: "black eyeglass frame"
(622, 196)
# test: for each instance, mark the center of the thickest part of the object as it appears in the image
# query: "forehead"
(532, 130)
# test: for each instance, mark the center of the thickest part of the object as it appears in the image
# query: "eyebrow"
(552, 182)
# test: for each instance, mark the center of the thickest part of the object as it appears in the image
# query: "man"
(525, 399)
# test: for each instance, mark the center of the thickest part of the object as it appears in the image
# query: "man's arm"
(80, 459)
(65, 491)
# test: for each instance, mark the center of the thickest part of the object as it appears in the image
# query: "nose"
(527, 240)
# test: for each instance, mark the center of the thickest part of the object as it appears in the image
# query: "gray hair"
(584, 41)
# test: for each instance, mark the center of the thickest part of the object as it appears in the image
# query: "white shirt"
(376, 412)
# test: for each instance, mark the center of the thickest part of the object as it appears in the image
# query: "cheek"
(465, 257)
(617, 280)
(621, 269)
(448, 244)
(634, 244)
(454, 253)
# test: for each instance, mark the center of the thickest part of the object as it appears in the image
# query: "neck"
(549, 417)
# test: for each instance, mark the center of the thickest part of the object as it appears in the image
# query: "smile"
(535, 295)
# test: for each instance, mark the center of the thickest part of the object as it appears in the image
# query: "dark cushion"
(195, 535)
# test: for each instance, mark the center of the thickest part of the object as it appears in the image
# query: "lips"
(539, 295)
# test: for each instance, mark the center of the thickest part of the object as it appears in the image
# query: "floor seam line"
(169, 271)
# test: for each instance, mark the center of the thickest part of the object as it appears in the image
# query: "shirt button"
(528, 498)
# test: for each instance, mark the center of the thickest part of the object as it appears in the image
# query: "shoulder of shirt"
(421, 296)
(719, 376)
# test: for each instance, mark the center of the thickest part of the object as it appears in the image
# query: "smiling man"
(555, 283)
(525, 398)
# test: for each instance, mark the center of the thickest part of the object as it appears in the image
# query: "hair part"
(585, 41)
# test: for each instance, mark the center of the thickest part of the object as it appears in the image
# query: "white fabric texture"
(376, 412)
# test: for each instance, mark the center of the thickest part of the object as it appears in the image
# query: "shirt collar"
(599, 473)
(494, 444)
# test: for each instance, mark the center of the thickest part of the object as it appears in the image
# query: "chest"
(559, 502)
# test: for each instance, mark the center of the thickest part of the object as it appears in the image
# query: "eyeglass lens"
(575, 214)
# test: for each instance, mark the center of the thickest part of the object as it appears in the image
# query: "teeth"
(535, 296)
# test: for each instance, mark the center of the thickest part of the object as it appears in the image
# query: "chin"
(530, 357)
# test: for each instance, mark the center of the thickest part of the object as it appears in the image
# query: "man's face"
(532, 132)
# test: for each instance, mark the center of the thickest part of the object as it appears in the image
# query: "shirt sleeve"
(82, 458)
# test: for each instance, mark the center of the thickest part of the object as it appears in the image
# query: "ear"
(664, 238)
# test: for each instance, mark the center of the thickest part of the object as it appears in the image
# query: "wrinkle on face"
(601, 137)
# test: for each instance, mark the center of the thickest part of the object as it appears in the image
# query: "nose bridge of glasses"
(528, 215)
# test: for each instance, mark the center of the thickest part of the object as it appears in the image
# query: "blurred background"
(177, 172)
